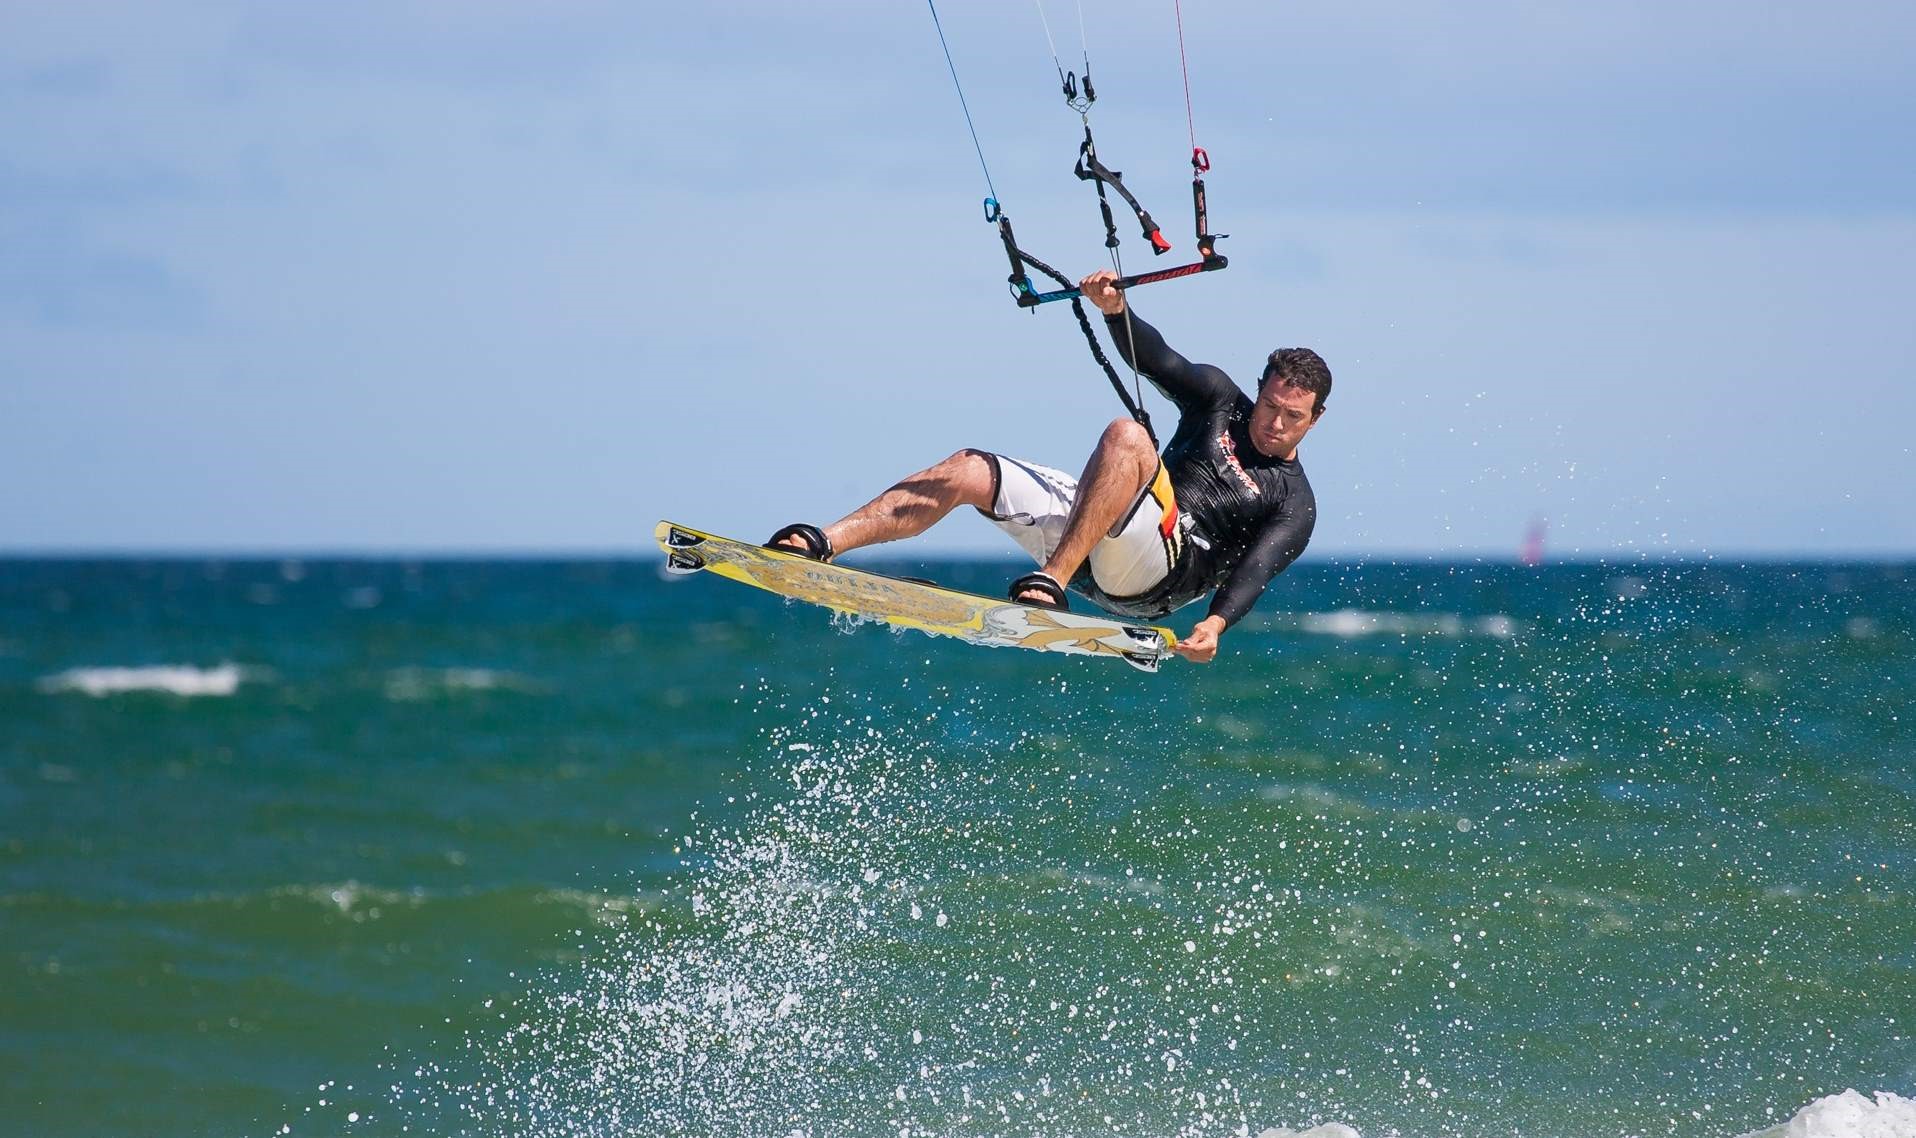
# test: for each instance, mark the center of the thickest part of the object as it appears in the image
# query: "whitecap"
(172, 679)
(1361, 622)
(1316, 798)
(405, 684)
(1628, 588)
(1849, 1115)
(1328, 1130)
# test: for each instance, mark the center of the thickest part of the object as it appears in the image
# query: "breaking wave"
(171, 679)
(1850, 1115)
(1359, 622)
(416, 684)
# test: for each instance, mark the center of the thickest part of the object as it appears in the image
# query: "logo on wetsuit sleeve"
(1229, 448)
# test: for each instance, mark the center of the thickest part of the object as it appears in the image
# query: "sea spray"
(962, 926)
(887, 948)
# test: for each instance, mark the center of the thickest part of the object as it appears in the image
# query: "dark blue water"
(545, 847)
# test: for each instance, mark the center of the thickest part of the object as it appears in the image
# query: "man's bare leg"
(1124, 464)
(913, 505)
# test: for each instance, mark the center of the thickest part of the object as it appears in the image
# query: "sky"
(477, 277)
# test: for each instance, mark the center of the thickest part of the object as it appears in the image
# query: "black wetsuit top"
(1252, 514)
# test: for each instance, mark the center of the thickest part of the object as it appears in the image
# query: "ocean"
(544, 847)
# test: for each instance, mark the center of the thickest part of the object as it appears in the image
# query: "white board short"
(1032, 502)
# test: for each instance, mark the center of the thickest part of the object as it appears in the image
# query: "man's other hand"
(1201, 646)
(1097, 289)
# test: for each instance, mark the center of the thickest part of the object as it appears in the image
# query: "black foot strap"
(1044, 583)
(818, 547)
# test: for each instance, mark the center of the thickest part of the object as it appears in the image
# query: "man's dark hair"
(1300, 367)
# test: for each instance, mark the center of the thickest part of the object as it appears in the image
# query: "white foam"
(1316, 797)
(1360, 622)
(1850, 1115)
(1846, 1115)
(1628, 588)
(424, 683)
(172, 679)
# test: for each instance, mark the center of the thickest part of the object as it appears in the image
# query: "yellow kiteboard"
(913, 604)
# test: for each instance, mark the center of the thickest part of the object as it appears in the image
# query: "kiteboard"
(921, 605)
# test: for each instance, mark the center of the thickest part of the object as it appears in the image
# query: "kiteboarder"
(1223, 509)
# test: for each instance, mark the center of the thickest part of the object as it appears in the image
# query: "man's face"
(1281, 418)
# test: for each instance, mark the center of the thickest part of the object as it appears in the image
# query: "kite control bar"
(1091, 170)
(1029, 297)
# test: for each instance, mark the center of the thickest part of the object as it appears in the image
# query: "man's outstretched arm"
(1142, 346)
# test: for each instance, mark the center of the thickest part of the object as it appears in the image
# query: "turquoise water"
(539, 848)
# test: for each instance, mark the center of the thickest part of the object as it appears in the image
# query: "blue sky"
(511, 277)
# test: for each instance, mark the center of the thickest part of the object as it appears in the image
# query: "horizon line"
(581, 554)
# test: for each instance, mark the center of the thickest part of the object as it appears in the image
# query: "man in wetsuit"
(1227, 506)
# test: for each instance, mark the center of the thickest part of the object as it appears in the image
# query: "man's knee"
(968, 477)
(1130, 439)
(1129, 436)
